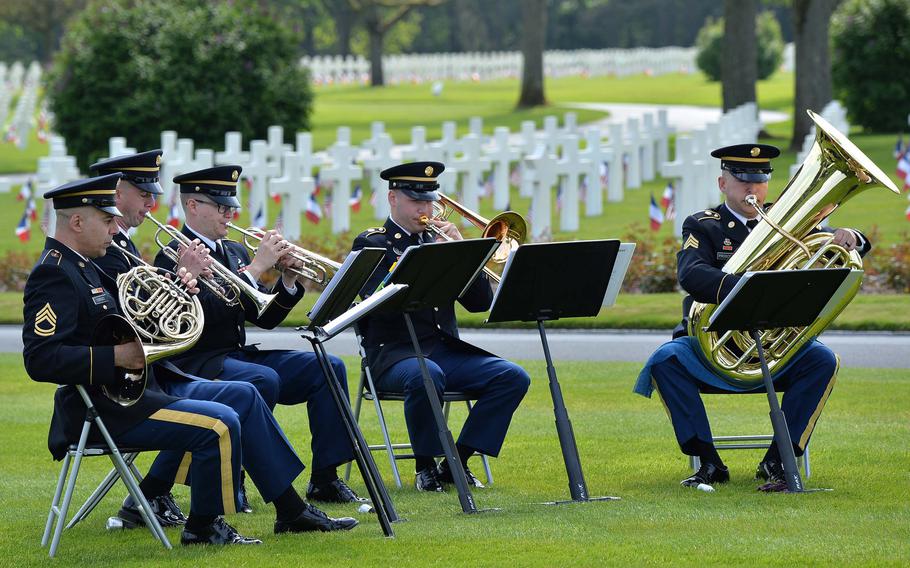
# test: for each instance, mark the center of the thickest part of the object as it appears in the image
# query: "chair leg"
(483, 458)
(71, 484)
(52, 513)
(100, 492)
(357, 404)
(389, 447)
(806, 468)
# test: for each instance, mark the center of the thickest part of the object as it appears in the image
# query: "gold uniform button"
(104, 307)
(731, 224)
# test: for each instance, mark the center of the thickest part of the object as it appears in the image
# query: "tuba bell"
(509, 228)
(834, 171)
(160, 314)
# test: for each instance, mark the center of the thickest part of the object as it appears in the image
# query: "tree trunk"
(811, 19)
(739, 60)
(344, 25)
(533, 40)
(376, 37)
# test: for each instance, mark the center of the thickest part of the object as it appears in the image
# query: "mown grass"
(627, 450)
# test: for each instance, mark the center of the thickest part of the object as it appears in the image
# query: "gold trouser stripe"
(804, 439)
(91, 364)
(662, 401)
(224, 446)
(720, 287)
(184, 468)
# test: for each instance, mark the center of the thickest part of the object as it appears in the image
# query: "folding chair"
(124, 470)
(366, 390)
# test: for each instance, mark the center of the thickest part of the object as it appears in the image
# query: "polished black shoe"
(219, 532)
(773, 473)
(444, 474)
(706, 476)
(336, 491)
(428, 480)
(244, 502)
(164, 507)
(312, 519)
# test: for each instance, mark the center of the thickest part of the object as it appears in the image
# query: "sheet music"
(330, 287)
(620, 266)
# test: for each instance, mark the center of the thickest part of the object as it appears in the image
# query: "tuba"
(834, 171)
(160, 314)
(509, 228)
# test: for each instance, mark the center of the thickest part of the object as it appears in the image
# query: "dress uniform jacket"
(63, 303)
(710, 238)
(224, 329)
(385, 337)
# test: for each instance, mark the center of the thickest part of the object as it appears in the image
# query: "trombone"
(509, 228)
(235, 286)
(315, 267)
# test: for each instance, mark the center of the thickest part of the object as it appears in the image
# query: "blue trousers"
(263, 449)
(806, 385)
(295, 377)
(500, 386)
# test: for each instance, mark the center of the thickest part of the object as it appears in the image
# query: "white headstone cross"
(502, 155)
(259, 171)
(294, 187)
(380, 160)
(570, 167)
(342, 172)
(473, 165)
(596, 155)
(528, 145)
(543, 166)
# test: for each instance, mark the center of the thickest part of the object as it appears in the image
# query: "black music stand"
(778, 299)
(330, 316)
(436, 274)
(573, 285)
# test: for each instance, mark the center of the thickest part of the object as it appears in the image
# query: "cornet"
(235, 286)
(315, 267)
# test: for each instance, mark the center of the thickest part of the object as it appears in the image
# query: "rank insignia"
(691, 242)
(45, 321)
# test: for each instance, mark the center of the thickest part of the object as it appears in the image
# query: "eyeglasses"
(222, 209)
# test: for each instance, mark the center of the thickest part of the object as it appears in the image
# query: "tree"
(739, 58)
(533, 42)
(45, 19)
(811, 20)
(136, 67)
(711, 48)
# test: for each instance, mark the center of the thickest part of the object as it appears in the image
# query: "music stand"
(331, 315)
(436, 274)
(574, 284)
(779, 299)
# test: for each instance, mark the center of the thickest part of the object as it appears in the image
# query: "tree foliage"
(136, 67)
(770, 46)
(870, 62)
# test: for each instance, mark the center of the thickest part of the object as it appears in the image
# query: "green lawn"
(627, 449)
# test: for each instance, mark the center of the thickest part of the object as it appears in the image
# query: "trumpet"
(509, 228)
(315, 267)
(234, 287)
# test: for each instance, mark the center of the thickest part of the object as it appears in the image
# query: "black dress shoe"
(773, 473)
(336, 491)
(445, 475)
(164, 507)
(241, 493)
(219, 532)
(706, 476)
(428, 480)
(312, 519)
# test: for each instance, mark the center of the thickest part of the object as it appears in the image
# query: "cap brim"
(420, 195)
(229, 200)
(151, 187)
(111, 209)
(751, 177)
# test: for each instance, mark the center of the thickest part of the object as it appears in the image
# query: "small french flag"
(313, 210)
(656, 215)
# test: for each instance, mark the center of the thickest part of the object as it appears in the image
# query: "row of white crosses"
(497, 65)
(26, 84)
(835, 113)
(557, 156)
(695, 171)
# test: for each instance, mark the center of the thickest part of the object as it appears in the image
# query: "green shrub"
(709, 44)
(653, 266)
(870, 62)
(888, 267)
(136, 67)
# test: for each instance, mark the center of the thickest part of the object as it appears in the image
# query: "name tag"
(724, 255)
(100, 299)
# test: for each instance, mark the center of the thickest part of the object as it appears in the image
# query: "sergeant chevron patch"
(48, 318)
(691, 242)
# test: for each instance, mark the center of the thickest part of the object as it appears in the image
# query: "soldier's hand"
(272, 248)
(845, 238)
(448, 228)
(188, 280)
(195, 258)
(129, 355)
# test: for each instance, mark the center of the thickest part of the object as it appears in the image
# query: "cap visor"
(112, 210)
(229, 200)
(151, 187)
(752, 177)
(421, 195)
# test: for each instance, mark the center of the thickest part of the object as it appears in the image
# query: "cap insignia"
(158, 160)
(234, 175)
(428, 170)
(755, 151)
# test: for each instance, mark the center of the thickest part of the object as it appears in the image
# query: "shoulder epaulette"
(374, 231)
(708, 214)
(52, 256)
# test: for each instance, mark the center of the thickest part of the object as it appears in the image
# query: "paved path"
(683, 118)
(855, 349)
